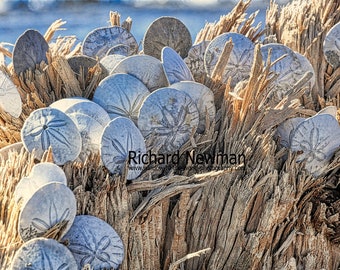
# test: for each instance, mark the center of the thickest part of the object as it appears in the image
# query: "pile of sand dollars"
(149, 93)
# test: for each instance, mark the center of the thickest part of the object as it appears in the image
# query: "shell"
(51, 204)
(195, 59)
(331, 110)
(306, 66)
(170, 115)
(30, 50)
(43, 254)
(100, 40)
(316, 139)
(167, 31)
(203, 98)
(120, 139)
(92, 241)
(110, 61)
(121, 95)
(146, 68)
(240, 60)
(120, 49)
(10, 100)
(5, 151)
(289, 68)
(85, 63)
(331, 46)
(285, 130)
(84, 106)
(175, 68)
(51, 127)
(41, 174)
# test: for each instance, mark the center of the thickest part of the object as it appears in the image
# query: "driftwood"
(265, 213)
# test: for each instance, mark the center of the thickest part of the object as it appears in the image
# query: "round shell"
(331, 46)
(169, 116)
(5, 151)
(146, 68)
(84, 106)
(92, 241)
(315, 140)
(100, 40)
(110, 61)
(119, 49)
(203, 98)
(84, 63)
(306, 66)
(331, 110)
(51, 127)
(30, 50)
(240, 60)
(195, 59)
(122, 140)
(285, 130)
(175, 68)
(51, 204)
(41, 174)
(167, 31)
(289, 68)
(43, 254)
(10, 100)
(121, 95)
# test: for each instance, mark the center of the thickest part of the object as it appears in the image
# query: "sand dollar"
(11, 148)
(331, 46)
(120, 140)
(146, 68)
(167, 31)
(306, 66)
(195, 59)
(93, 241)
(175, 68)
(100, 40)
(10, 100)
(51, 127)
(120, 49)
(110, 61)
(170, 115)
(51, 204)
(30, 50)
(331, 110)
(43, 254)
(240, 59)
(203, 98)
(85, 63)
(315, 140)
(121, 95)
(84, 106)
(285, 130)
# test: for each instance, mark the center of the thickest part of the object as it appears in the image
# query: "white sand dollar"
(331, 46)
(10, 100)
(285, 129)
(43, 254)
(195, 59)
(306, 66)
(93, 241)
(51, 204)
(146, 68)
(100, 40)
(84, 106)
(110, 61)
(289, 68)
(203, 98)
(120, 139)
(51, 127)
(30, 50)
(121, 95)
(240, 60)
(175, 68)
(170, 115)
(166, 31)
(315, 140)
(331, 110)
(119, 49)
(41, 174)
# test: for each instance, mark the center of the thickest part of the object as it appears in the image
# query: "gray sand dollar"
(285, 130)
(146, 68)
(100, 40)
(84, 63)
(331, 110)
(43, 254)
(121, 95)
(30, 50)
(120, 139)
(166, 31)
(93, 241)
(10, 100)
(51, 127)
(195, 59)
(120, 49)
(203, 98)
(331, 46)
(171, 116)
(51, 204)
(240, 60)
(175, 68)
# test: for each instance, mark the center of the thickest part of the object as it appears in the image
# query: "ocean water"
(81, 18)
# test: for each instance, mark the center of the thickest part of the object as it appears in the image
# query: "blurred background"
(83, 16)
